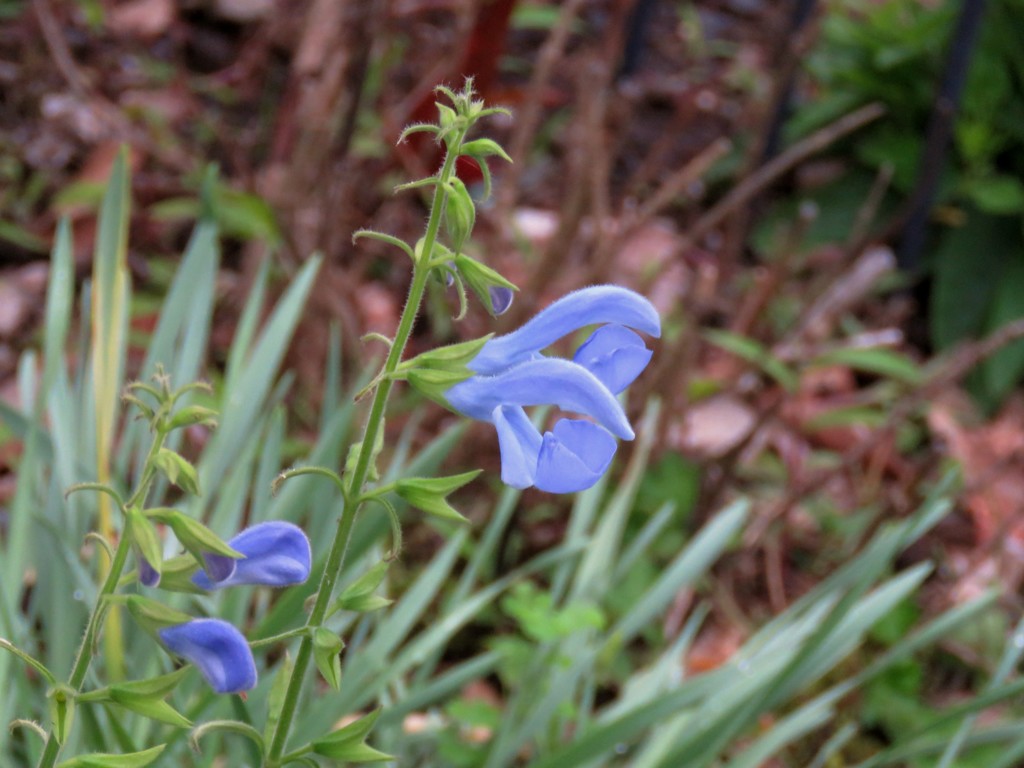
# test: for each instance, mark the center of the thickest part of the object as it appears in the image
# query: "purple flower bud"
(219, 651)
(218, 567)
(501, 299)
(276, 554)
(148, 575)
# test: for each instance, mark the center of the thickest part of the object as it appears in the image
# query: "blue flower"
(219, 651)
(512, 373)
(599, 304)
(276, 554)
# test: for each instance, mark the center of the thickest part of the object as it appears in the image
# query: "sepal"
(152, 616)
(433, 372)
(430, 494)
(146, 697)
(193, 414)
(176, 575)
(358, 596)
(61, 700)
(459, 213)
(352, 459)
(146, 542)
(348, 744)
(326, 647)
(216, 556)
(178, 470)
(481, 148)
(493, 290)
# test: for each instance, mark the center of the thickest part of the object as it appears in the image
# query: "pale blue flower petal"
(276, 554)
(553, 381)
(519, 442)
(573, 456)
(615, 355)
(219, 651)
(590, 306)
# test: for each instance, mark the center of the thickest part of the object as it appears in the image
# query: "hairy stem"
(92, 629)
(354, 488)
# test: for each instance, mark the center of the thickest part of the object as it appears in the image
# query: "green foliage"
(893, 52)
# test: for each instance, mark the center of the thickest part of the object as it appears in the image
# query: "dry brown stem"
(771, 171)
(528, 118)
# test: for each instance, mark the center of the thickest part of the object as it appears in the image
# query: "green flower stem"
(95, 623)
(354, 489)
(274, 639)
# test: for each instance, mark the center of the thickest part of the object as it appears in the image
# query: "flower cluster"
(510, 373)
(275, 554)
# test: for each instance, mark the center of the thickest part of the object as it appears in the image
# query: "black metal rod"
(800, 14)
(940, 130)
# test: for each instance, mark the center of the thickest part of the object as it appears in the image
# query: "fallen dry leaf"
(142, 18)
(713, 427)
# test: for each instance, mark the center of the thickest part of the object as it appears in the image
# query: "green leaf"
(429, 494)
(756, 354)
(880, 361)
(1003, 370)
(969, 263)
(326, 647)
(998, 194)
(103, 760)
(245, 216)
(178, 470)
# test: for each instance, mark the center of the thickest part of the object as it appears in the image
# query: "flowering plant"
(493, 379)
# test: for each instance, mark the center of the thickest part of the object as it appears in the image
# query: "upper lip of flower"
(600, 304)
